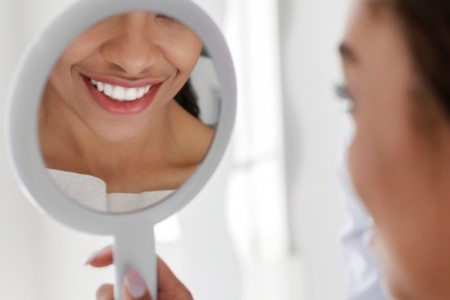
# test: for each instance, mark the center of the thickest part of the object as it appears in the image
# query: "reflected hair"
(426, 24)
(187, 99)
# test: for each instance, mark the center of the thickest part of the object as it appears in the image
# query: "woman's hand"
(134, 288)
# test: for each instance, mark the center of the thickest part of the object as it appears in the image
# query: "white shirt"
(90, 192)
(362, 276)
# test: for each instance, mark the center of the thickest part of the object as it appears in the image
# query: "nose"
(133, 47)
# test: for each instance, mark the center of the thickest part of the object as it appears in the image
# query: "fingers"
(134, 287)
(166, 279)
(101, 258)
(105, 292)
(169, 286)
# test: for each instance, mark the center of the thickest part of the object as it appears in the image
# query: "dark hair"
(187, 98)
(427, 27)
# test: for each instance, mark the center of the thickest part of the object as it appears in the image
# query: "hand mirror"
(107, 135)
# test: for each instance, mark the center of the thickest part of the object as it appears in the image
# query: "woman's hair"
(426, 24)
(187, 99)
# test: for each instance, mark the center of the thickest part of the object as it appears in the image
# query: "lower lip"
(121, 107)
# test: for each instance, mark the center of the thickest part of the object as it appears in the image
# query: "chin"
(116, 134)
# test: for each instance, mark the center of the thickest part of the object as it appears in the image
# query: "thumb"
(134, 287)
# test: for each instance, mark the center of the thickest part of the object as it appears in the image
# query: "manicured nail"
(96, 254)
(92, 257)
(135, 284)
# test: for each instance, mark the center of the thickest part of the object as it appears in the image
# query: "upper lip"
(124, 82)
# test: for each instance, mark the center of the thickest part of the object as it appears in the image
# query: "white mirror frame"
(22, 110)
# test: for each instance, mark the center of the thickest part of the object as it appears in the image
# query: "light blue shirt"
(362, 278)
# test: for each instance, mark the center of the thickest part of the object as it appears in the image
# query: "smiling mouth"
(121, 93)
(122, 99)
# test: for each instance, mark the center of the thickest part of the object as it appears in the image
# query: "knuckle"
(183, 293)
(104, 292)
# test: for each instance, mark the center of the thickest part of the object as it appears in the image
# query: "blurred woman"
(395, 57)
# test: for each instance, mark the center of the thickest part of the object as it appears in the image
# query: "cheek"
(385, 150)
(184, 53)
(184, 58)
(61, 76)
(61, 80)
(369, 158)
(394, 169)
(186, 62)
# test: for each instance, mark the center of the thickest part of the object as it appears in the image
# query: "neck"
(68, 144)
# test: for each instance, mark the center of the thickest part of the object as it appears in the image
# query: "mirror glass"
(128, 112)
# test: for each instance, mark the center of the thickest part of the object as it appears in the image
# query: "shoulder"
(192, 136)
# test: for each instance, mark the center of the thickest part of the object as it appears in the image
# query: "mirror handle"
(134, 249)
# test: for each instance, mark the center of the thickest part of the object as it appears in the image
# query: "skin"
(169, 286)
(399, 159)
(151, 150)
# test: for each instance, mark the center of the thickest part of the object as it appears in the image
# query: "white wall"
(20, 224)
(310, 34)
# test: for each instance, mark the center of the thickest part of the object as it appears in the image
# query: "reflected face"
(120, 74)
(399, 156)
(111, 133)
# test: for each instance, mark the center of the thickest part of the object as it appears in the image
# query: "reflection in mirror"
(128, 112)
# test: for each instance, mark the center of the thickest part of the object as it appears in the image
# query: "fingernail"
(92, 257)
(96, 254)
(135, 284)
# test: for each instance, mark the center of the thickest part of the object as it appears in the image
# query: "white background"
(281, 206)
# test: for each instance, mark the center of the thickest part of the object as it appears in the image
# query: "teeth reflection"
(140, 93)
(118, 93)
(121, 93)
(108, 90)
(130, 94)
(100, 87)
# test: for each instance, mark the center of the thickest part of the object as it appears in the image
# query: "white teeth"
(121, 93)
(118, 93)
(131, 94)
(140, 93)
(107, 89)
